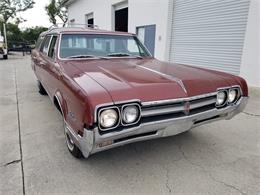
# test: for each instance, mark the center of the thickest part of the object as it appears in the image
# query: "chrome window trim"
(119, 118)
(143, 45)
(55, 46)
(139, 118)
(48, 35)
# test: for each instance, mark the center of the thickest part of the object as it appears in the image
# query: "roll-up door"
(209, 33)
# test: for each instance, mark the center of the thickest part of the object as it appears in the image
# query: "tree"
(10, 8)
(14, 34)
(17, 36)
(32, 34)
(56, 10)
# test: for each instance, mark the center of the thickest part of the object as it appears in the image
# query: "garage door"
(209, 33)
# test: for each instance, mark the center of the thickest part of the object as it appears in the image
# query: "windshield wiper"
(118, 54)
(123, 55)
(82, 56)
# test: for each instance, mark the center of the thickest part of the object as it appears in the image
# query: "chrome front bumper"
(93, 142)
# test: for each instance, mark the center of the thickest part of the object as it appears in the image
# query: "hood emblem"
(187, 108)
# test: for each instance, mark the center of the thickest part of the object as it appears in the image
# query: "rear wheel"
(5, 57)
(42, 91)
(74, 150)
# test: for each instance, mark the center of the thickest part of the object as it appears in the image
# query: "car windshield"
(101, 46)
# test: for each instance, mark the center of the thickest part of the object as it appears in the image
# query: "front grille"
(169, 109)
(155, 111)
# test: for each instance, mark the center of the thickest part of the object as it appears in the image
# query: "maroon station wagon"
(111, 91)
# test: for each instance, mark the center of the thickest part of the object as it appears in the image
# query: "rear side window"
(51, 53)
(39, 42)
(45, 45)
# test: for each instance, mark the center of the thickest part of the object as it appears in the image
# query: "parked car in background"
(111, 91)
(21, 47)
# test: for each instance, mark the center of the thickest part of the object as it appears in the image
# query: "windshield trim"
(140, 44)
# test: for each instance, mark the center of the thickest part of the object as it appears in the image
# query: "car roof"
(67, 30)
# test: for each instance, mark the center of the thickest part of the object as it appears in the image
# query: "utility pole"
(5, 35)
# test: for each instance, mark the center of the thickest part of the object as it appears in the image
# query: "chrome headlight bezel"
(228, 90)
(237, 95)
(138, 108)
(117, 121)
(225, 92)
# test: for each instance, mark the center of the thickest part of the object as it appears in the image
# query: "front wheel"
(5, 57)
(74, 150)
(41, 89)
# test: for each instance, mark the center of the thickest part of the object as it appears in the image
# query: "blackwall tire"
(41, 89)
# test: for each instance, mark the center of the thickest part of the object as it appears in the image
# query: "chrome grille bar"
(203, 103)
(160, 108)
(163, 102)
(158, 111)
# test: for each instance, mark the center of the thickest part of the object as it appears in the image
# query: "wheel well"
(57, 105)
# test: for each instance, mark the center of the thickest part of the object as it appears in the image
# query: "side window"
(51, 53)
(45, 45)
(39, 42)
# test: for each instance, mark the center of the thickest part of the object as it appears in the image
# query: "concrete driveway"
(219, 158)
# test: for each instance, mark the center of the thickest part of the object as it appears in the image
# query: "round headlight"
(221, 98)
(108, 118)
(232, 95)
(130, 114)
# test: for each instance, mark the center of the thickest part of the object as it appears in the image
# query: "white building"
(216, 34)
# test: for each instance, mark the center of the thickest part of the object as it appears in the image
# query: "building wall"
(102, 11)
(250, 65)
(137, 9)
(156, 13)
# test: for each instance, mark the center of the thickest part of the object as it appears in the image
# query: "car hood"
(147, 79)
